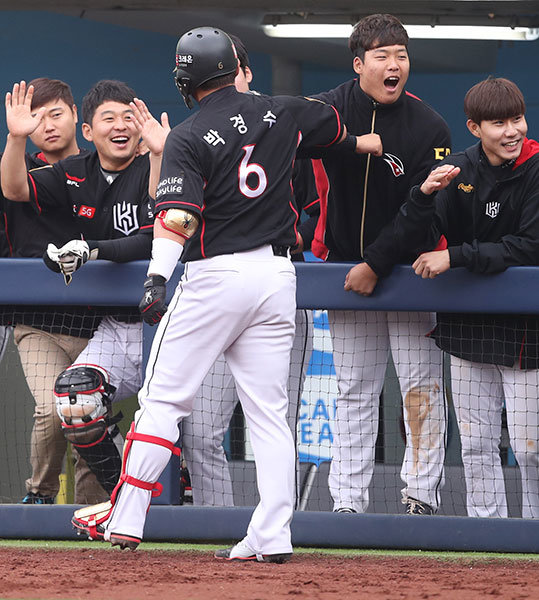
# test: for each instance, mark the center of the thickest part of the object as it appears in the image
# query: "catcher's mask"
(202, 54)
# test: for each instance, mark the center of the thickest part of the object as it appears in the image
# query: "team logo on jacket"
(125, 217)
(395, 163)
(466, 188)
(72, 180)
(492, 210)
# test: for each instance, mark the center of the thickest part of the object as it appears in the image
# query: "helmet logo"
(219, 65)
(182, 60)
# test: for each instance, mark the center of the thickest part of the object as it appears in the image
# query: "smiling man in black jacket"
(485, 201)
(360, 199)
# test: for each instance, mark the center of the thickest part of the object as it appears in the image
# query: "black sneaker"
(33, 498)
(242, 552)
(416, 507)
(345, 510)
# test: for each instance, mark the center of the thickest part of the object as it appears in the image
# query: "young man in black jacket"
(485, 201)
(363, 194)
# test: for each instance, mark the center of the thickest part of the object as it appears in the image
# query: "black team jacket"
(361, 194)
(490, 218)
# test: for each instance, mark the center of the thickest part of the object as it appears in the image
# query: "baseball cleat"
(89, 520)
(416, 507)
(97, 533)
(242, 552)
(124, 541)
(345, 510)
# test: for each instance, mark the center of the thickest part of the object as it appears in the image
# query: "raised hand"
(154, 134)
(439, 179)
(21, 121)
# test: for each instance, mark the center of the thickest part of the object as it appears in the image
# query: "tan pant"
(44, 356)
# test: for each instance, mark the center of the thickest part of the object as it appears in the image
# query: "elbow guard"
(180, 221)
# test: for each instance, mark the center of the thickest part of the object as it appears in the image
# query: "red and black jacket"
(361, 194)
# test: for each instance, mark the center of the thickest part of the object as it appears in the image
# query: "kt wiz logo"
(125, 217)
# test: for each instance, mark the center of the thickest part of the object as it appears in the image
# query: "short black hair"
(106, 90)
(494, 98)
(241, 51)
(48, 90)
(376, 31)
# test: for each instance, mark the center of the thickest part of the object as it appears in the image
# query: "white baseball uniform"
(204, 430)
(479, 391)
(362, 341)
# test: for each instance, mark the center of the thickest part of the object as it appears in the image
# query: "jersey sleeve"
(181, 184)
(47, 188)
(307, 199)
(320, 123)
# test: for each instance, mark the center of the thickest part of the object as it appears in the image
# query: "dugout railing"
(320, 286)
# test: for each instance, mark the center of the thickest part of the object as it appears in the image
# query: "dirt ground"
(87, 574)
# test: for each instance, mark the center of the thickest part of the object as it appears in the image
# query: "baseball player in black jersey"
(48, 340)
(224, 203)
(202, 437)
(360, 199)
(106, 193)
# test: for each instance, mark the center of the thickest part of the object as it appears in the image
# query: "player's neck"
(200, 94)
(110, 164)
(53, 157)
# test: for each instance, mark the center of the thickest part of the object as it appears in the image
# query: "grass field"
(345, 552)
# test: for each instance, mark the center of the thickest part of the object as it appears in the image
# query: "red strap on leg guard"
(156, 488)
(152, 439)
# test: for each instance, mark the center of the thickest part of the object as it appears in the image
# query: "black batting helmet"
(202, 54)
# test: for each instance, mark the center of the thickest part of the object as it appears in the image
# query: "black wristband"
(154, 280)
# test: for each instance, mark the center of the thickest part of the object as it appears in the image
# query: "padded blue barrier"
(320, 285)
(313, 529)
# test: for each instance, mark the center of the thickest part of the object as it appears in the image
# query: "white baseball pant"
(479, 391)
(242, 305)
(362, 341)
(204, 430)
(117, 347)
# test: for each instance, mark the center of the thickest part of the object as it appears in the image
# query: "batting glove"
(152, 306)
(67, 259)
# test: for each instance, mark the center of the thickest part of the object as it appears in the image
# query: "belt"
(283, 251)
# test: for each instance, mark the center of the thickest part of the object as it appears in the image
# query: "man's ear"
(75, 114)
(248, 74)
(358, 65)
(87, 132)
(474, 128)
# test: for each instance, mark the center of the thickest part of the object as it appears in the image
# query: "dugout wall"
(319, 286)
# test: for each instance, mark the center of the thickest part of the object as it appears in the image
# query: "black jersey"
(101, 210)
(231, 164)
(27, 233)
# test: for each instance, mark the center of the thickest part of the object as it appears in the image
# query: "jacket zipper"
(362, 231)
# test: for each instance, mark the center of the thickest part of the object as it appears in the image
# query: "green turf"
(347, 552)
